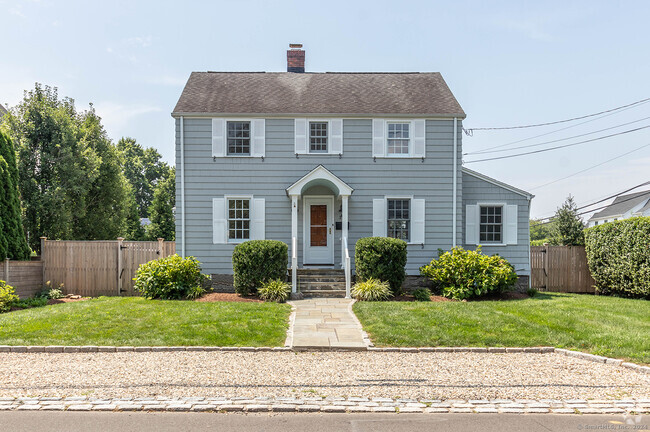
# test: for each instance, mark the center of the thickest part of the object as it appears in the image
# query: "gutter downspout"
(182, 188)
(455, 184)
(530, 264)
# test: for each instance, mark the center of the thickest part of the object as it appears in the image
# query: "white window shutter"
(336, 136)
(378, 138)
(218, 220)
(511, 225)
(300, 133)
(218, 137)
(418, 216)
(419, 138)
(258, 137)
(258, 216)
(379, 217)
(471, 224)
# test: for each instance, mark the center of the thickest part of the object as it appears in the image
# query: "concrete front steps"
(320, 282)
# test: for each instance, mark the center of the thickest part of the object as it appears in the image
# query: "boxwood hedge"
(381, 258)
(258, 261)
(618, 254)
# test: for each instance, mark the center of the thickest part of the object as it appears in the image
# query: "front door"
(318, 229)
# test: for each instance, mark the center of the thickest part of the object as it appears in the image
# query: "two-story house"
(320, 160)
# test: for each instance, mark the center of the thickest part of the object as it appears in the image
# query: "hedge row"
(618, 254)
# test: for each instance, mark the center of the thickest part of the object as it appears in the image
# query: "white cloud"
(116, 117)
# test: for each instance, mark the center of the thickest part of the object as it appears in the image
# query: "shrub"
(171, 278)
(618, 255)
(466, 274)
(7, 296)
(30, 303)
(381, 258)
(532, 292)
(422, 294)
(371, 290)
(275, 290)
(51, 293)
(258, 261)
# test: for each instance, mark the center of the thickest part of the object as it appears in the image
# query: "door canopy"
(320, 176)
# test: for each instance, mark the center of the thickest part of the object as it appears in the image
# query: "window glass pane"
(239, 219)
(238, 134)
(399, 219)
(318, 137)
(490, 227)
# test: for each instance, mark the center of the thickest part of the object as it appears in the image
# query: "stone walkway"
(325, 323)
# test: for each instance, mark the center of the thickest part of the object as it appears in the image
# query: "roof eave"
(496, 182)
(177, 114)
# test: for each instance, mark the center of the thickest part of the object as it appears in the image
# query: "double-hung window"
(398, 138)
(491, 224)
(239, 220)
(318, 137)
(239, 138)
(399, 219)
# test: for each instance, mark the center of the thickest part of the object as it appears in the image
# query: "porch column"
(294, 243)
(344, 244)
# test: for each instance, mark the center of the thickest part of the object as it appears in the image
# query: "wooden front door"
(318, 230)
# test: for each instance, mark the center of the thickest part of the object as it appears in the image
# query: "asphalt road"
(16, 421)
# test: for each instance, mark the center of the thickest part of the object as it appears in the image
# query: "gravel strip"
(405, 375)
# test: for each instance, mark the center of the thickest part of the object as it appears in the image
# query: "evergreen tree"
(161, 211)
(13, 243)
(568, 224)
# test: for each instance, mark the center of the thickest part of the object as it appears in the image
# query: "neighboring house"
(3, 111)
(320, 160)
(623, 207)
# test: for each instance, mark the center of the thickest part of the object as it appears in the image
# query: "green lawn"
(608, 326)
(135, 321)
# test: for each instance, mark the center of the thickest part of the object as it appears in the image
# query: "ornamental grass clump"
(464, 274)
(171, 278)
(274, 291)
(371, 290)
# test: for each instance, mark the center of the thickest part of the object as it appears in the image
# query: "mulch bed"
(228, 297)
(410, 298)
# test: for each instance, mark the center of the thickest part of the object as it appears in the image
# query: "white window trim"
(411, 124)
(250, 218)
(329, 136)
(250, 139)
(503, 222)
(401, 197)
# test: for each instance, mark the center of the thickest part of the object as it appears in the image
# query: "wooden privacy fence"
(560, 269)
(25, 276)
(94, 268)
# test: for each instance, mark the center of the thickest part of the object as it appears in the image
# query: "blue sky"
(507, 62)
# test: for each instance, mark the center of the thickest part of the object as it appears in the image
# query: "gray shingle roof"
(318, 93)
(622, 204)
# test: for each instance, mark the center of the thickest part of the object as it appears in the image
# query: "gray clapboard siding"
(476, 190)
(206, 178)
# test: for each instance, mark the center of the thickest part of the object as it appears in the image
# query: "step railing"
(294, 265)
(346, 266)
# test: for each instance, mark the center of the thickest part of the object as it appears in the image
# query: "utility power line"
(564, 128)
(471, 130)
(591, 167)
(559, 147)
(554, 141)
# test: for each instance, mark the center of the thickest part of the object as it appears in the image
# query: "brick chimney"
(295, 58)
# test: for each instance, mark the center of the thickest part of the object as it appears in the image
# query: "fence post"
(119, 265)
(7, 271)
(43, 241)
(161, 246)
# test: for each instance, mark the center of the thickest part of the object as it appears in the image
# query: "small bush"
(467, 274)
(258, 261)
(422, 294)
(30, 303)
(381, 258)
(532, 292)
(7, 296)
(275, 291)
(51, 293)
(371, 290)
(618, 254)
(171, 278)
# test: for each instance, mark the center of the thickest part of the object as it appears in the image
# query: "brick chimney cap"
(295, 46)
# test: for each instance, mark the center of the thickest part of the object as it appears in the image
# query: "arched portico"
(319, 176)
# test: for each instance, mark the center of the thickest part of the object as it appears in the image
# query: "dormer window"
(317, 137)
(398, 139)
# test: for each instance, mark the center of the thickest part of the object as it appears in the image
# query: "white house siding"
(476, 190)
(206, 178)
